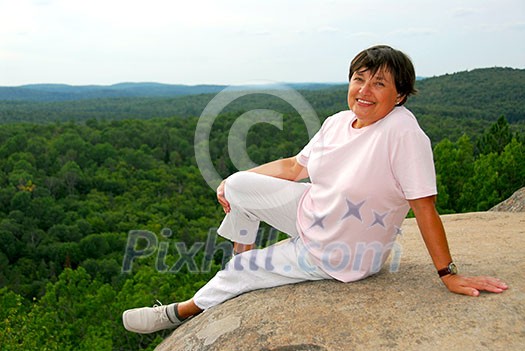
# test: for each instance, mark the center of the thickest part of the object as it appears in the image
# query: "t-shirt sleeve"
(304, 155)
(413, 165)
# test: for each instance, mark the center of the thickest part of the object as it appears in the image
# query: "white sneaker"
(147, 320)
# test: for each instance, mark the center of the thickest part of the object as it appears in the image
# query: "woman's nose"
(365, 88)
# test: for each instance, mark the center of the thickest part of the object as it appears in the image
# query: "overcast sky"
(237, 41)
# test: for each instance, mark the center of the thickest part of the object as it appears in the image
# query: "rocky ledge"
(405, 310)
(515, 203)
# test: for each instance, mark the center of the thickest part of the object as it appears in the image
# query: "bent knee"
(238, 183)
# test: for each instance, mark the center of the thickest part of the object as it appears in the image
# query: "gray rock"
(405, 310)
(515, 203)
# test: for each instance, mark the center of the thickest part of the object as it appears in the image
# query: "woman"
(366, 167)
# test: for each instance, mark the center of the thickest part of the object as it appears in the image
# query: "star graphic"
(399, 231)
(353, 209)
(378, 219)
(318, 221)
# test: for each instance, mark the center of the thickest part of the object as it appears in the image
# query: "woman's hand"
(221, 197)
(473, 285)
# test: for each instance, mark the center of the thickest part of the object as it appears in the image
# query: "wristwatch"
(450, 269)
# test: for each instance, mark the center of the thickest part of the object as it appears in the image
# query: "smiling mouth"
(365, 102)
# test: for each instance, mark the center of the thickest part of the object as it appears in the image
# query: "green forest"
(85, 184)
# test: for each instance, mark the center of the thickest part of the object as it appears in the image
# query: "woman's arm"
(286, 168)
(434, 236)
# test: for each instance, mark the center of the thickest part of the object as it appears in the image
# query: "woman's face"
(372, 97)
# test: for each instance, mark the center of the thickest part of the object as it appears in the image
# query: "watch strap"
(449, 269)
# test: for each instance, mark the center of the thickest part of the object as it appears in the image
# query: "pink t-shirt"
(361, 181)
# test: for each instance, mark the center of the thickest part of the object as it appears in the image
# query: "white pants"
(254, 198)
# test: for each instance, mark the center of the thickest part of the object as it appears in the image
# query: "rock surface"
(405, 310)
(515, 203)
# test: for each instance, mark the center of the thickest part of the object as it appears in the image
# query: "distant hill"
(446, 106)
(64, 92)
(481, 93)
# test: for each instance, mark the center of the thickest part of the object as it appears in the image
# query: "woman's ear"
(400, 98)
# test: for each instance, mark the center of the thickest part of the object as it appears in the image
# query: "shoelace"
(162, 316)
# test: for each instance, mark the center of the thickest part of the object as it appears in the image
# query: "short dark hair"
(394, 61)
